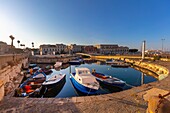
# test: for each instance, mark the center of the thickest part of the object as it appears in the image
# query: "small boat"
(58, 64)
(81, 60)
(47, 71)
(84, 81)
(36, 82)
(32, 86)
(32, 65)
(108, 80)
(53, 92)
(53, 79)
(74, 62)
(33, 70)
(109, 61)
(120, 64)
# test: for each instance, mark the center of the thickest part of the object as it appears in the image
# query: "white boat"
(53, 79)
(84, 81)
(109, 61)
(58, 64)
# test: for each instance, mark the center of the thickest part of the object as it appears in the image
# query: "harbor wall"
(5, 60)
(49, 59)
(10, 75)
(161, 71)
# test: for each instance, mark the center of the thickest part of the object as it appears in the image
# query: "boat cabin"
(84, 76)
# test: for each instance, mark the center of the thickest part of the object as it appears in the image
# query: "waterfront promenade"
(128, 101)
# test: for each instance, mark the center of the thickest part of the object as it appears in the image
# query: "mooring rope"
(130, 85)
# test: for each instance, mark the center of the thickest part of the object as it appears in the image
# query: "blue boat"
(84, 81)
(39, 81)
(74, 62)
(32, 65)
(108, 80)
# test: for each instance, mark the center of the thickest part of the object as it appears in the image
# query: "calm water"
(130, 75)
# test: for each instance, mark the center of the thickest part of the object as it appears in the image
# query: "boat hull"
(82, 88)
(120, 66)
(55, 90)
(52, 85)
(118, 84)
(74, 63)
(109, 81)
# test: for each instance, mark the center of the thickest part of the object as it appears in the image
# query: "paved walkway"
(128, 101)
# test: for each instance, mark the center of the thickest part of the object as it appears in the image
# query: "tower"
(143, 49)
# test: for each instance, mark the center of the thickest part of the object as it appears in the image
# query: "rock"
(9, 87)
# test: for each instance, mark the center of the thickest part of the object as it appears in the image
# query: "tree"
(18, 43)
(12, 38)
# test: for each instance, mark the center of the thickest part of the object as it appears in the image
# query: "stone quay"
(128, 101)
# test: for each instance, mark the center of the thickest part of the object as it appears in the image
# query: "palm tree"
(32, 44)
(12, 38)
(18, 43)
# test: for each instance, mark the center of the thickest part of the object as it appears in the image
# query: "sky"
(85, 22)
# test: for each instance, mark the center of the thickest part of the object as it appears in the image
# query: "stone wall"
(1, 90)
(161, 71)
(10, 77)
(54, 59)
(6, 59)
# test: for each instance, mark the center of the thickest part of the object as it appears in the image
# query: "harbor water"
(131, 76)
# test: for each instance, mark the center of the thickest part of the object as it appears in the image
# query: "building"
(90, 49)
(60, 48)
(52, 49)
(73, 48)
(111, 49)
(153, 52)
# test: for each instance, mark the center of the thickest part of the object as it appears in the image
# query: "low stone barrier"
(50, 59)
(9, 76)
(5, 59)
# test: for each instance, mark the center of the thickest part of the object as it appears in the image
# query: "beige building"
(4, 48)
(111, 49)
(52, 49)
(73, 48)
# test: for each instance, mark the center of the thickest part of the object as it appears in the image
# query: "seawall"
(49, 59)
(161, 71)
(10, 73)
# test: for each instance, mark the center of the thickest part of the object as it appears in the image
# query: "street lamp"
(162, 44)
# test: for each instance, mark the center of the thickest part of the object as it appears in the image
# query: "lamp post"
(162, 44)
(18, 43)
(32, 48)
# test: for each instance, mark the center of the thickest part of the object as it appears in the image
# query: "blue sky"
(123, 22)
